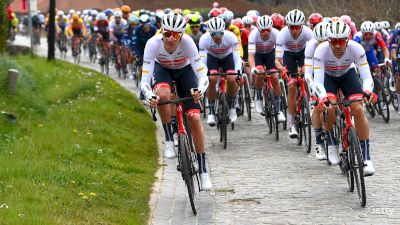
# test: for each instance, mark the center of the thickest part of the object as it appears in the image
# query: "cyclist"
(248, 23)
(194, 28)
(385, 36)
(76, 29)
(126, 12)
(117, 28)
(262, 53)
(220, 48)
(103, 33)
(320, 36)
(290, 45)
(394, 45)
(173, 56)
(346, 19)
(61, 24)
(334, 69)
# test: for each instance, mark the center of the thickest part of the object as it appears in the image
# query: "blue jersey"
(394, 41)
(140, 38)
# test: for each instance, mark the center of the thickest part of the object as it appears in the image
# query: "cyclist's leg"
(213, 67)
(290, 63)
(258, 82)
(228, 66)
(269, 62)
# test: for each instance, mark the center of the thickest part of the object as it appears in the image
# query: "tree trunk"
(4, 29)
(52, 30)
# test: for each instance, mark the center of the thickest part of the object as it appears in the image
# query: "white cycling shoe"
(169, 151)
(293, 132)
(211, 120)
(205, 182)
(176, 142)
(333, 155)
(281, 117)
(320, 153)
(232, 115)
(259, 106)
(369, 169)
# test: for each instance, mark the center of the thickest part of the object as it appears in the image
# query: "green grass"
(83, 149)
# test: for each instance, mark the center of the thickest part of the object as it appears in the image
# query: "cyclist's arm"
(319, 74)
(252, 49)
(236, 56)
(236, 31)
(279, 50)
(197, 64)
(363, 68)
(203, 49)
(308, 62)
(148, 68)
(381, 42)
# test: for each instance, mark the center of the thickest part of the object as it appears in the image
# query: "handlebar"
(295, 75)
(238, 73)
(268, 72)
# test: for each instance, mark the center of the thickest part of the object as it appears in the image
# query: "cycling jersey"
(286, 43)
(257, 45)
(140, 38)
(309, 60)
(228, 45)
(368, 45)
(325, 63)
(235, 30)
(118, 29)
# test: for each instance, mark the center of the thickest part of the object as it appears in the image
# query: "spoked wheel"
(306, 123)
(204, 106)
(267, 113)
(370, 109)
(247, 96)
(383, 103)
(345, 168)
(283, 102)
(273, 114)
(299, 128)
(187, 169)
(223, 110)
(357, 165)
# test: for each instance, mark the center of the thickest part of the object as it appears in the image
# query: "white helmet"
(60, 13)
(216, 24)
(160, 14)
(174, 22)
(144, 18)
(378, 25)
(78, 13)
(229, 14)
(101, 16)
(367, 26)
(252, 12)
(295, 17)
(118, 14)
(72, 11)
(385, 24)
(264, 22)
(319, 31)
(397, 27)
(94, 13)
(247, 20)
(85, 12)
(338, 29)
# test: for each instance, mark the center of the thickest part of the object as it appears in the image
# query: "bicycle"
(390, 85)
(244, 97)
(76, 51)
(352, 162)
(222, 118)
(62, 45)
(382, 105)
(121, 60)
(92, 48)
(187, 157)
(303, 114)
(104, 61)
(270, 111)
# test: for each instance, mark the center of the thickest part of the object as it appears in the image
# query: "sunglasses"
(295, 27)
(368, 34)
(175, 35)
(265, 30)
(341, 42)
(217, 34)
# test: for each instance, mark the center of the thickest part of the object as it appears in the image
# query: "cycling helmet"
(378, 25)
(223, 9)
(186, 12)
(126, 9)
(174, 22)
(60, 13)
(85, 12)
(214, 13)
(397, 27)
(144, 18)
(72, 11)
(247, 20)
(94, 13)
(319, 31)
(326, 19)
(334, 19)
(160, 14)
(117, 14)
(133, 20)
(253, 13)
(295, 17)
(178, 11)
(108, 12)
(101, 16)
(315, 18)
(367, 26)
(385, 24)
(229, 14)
(338, 29)
(264, 22)
(167, 10)
(345, 19)
(75, 17)
(216, 24)
(225, 19)
(194, 20)
(238, 22)
(277, 20)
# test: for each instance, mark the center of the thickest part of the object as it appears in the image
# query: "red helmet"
(278, 20)
(223, 9)
(314, 19)
(238, 22)
(214, 13)
(346, 19)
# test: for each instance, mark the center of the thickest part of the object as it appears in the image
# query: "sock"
(365, 149)
(331, 138)
(201, 159)
(291, 120)
(211, 105)
(318, 136)
(174, 122)
(168, 131)
(258, 94)
(278, 103)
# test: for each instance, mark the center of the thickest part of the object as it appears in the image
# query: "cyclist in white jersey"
(220, 48)
(262, 54)
(117, 28)
(289, 52)
(320, 36)
(170, 57)
(334, 69)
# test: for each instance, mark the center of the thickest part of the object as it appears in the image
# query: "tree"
(4, 25)
(52, 30)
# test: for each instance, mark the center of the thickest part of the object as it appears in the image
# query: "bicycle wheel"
(240, 111)
(380, 91)
(186, 168)
(306, 123)
(223, 119)
(273, 114)
(357, 165)
(283, 102)
(247, 96)
(267, 112)
(370, 109)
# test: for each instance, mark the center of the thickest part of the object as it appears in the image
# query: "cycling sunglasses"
(341, 42)
(368, 34)
(175, 35)
(217, 34)
(265, 30)
(295, 27)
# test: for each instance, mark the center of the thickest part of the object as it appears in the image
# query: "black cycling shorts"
(267, 59)
(226, 63)
(349, 83)
(292, 60)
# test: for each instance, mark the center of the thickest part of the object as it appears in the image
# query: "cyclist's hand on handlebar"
(370, 97)
(153, 101)
(196, 94)
(284, 73)
(322, 104)
(387, 61)
(254, 70)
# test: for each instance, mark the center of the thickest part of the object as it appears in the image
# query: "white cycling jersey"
(185, 54)
(257, 45)
(229, 44)
(326, 63)
(117, 28)
(309, 61)
(285, 41)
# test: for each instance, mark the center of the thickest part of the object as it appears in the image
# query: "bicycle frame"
(303, 90)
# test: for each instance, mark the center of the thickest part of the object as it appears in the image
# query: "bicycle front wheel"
(357, 165)
(223, 110)
(247, 96)
(306, 123)
(283, 102)
(273, 114)
(186, 168)
(383, 103)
